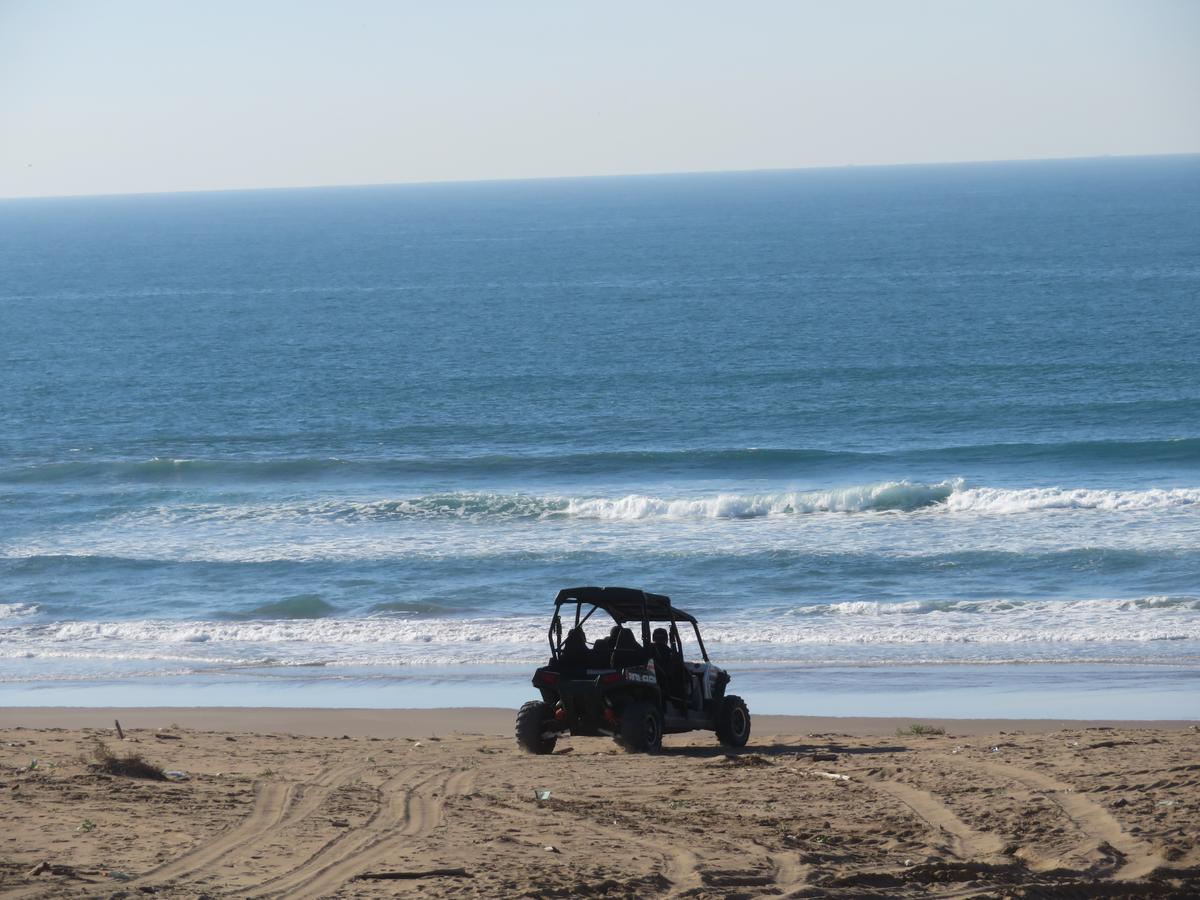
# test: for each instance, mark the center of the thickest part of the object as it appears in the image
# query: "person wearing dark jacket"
(666, 662)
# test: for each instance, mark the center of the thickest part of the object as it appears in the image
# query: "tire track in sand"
(964, 841)
(277, 805)
(681, 867)
(410, 809)
(791, 872)
(1092, 819)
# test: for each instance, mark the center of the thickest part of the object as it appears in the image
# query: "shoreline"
(496, 721)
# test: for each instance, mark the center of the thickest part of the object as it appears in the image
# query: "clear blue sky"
(158, 95)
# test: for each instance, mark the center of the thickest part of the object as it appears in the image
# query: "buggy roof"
(625, 604)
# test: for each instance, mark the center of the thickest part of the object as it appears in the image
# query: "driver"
(660, 643)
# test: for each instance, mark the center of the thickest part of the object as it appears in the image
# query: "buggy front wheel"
(733, 722)
(531, 728)
(640, 728)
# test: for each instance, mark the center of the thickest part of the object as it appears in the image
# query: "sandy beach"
(313, 803)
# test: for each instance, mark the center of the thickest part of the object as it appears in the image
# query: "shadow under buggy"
(632, 690)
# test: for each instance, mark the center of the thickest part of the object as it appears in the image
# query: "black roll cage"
(623, 605)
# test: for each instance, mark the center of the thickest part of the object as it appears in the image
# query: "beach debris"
(86, 825)
(120, 733)
(166, 736)
(416, 744)
(33, 764)
(550, 848)
(178, 776)
(340, 823)
(541, 795)
(61, 870)
(832, 776)
(1165, 803)
(399, 876)
(741, 759)
(823, 757)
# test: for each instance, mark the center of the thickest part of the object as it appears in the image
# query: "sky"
(130, 96)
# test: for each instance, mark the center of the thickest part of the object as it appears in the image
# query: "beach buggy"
(633, 688)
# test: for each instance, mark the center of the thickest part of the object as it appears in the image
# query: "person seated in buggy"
(618, 650)
(667, 664)
(575, 653)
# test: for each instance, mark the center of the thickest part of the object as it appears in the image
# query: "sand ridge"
(1068, 812)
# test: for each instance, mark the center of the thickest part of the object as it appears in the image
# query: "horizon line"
(594, 177)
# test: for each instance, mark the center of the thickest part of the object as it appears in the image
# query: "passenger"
(626, 650)
(666, 662)
(603, 648)
(624, 640)
(575, 649)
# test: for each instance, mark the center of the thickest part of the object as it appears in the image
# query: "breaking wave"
(951, 496)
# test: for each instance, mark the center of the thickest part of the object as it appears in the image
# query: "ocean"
(905, 439)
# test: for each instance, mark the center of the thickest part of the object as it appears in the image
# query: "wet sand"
(304, 803)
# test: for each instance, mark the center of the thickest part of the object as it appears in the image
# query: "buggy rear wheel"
(733, 722)
(640, 728)
(532, 719)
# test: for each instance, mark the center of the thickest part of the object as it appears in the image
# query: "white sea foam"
(995, 500)
(17, 610)
(997, 607)
(891, 495)
(976, 628)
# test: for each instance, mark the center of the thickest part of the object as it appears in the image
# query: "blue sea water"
(885, 431)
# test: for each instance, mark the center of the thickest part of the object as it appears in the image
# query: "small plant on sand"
(920, 730)
(131, 765)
